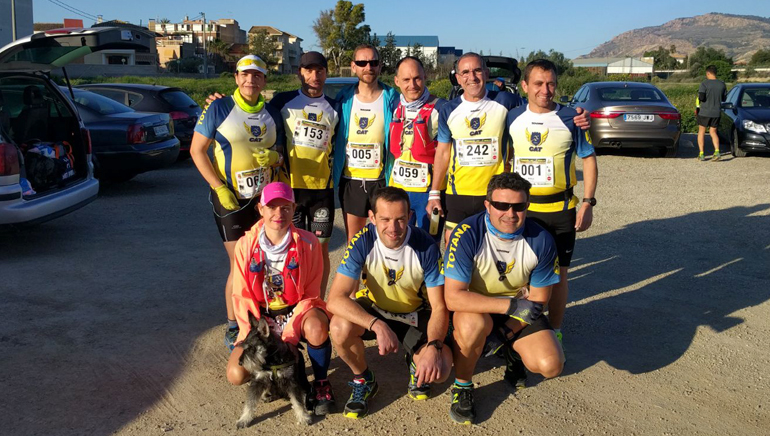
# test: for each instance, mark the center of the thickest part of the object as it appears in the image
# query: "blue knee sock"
(319, 359)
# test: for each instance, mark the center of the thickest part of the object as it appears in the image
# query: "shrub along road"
(113, 317)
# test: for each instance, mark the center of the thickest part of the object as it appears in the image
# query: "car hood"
(758, 114)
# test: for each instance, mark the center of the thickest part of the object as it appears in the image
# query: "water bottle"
(434, 219)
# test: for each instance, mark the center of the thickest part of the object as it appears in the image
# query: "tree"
(340, 30)
(163, 22)
(663, 58)
(389, 54)
(760, 58)
(562, 63)
(705, 56)
(219, 52)
(264, 46)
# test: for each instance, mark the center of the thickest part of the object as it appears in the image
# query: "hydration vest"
(424, 146)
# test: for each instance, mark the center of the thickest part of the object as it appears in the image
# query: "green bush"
(440, 88)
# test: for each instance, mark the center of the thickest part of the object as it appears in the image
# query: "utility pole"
(13, 20)
(205, 53)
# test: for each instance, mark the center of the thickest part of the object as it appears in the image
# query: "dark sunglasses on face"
(503, 206)
(374, 63)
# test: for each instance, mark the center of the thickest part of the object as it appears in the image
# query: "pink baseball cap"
(276, 190)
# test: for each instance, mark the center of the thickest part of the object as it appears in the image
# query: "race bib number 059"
(410, 174)
(251, 182)
(537, 170)
(363, 156)
(478, 152)
(311, 134)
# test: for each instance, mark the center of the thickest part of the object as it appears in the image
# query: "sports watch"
(590, 200)
(436, 343)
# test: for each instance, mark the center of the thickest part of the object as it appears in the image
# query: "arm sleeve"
(546, 273)
(355, 255)
(458, 258)
(243, 298)
(207, 122)
(444, 134)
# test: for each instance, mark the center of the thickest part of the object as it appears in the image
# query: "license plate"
(639, 118)
(161, 130)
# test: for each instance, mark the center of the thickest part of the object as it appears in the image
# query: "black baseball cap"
(312, 58)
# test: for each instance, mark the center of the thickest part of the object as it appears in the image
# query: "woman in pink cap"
(277, 274)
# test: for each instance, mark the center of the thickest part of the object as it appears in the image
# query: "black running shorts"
(541, 323)
(459, 207)
(315, 212)
(411, 338)
(708, 121)
(355, 195)
(561, 225)
(232, 224)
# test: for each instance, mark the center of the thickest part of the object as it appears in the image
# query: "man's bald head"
(410, 77)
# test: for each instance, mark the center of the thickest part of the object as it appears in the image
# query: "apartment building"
(288, 51)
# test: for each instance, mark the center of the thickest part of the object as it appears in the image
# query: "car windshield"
(620, 93)
(98, 103)
(756, 97)
(178, 99)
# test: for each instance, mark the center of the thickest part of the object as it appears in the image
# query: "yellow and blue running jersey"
(544, 149)
(366, 149)
(475, 130)
(310, 124)
(501, 267)
(395, 279)
(237, 134)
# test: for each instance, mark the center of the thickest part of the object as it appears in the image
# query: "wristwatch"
(436, 343)
(590, 200)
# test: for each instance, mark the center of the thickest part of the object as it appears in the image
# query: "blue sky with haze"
(512, 27)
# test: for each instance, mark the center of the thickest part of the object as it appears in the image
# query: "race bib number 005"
(363, 156)
(478, 152)
(410, 174)
(537, 170)
(251, 182)
(311, 134)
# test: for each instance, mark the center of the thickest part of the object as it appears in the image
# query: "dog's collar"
(276, 368)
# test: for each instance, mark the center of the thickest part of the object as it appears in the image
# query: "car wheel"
(737, 152)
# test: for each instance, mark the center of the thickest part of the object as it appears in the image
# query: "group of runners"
(491, 172)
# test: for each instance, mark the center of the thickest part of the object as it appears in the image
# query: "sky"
(513, 27)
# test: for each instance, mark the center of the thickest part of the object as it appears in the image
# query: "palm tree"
(220, 51)
(163, 22)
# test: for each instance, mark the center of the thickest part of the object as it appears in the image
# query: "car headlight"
(754, 127)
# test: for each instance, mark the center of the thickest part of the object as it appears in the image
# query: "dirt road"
(112, 318)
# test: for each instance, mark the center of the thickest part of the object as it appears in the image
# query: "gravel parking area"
(113, 317)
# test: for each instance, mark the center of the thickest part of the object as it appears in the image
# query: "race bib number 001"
(537, 170)
(251, 182)
(410, 174)
(478, 152)
(311, 134)
(363, 156)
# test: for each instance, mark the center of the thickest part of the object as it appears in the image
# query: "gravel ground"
(112, 318)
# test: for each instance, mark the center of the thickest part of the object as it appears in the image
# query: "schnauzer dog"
(275, 367)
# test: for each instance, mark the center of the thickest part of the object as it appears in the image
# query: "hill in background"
(738, 35)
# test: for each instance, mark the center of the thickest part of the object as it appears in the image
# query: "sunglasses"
(503, 206)
(374, 63)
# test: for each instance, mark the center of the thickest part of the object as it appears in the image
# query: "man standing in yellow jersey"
(361, 158)
(413, 131)
(545, 140)
(248, 142)
(310, 120)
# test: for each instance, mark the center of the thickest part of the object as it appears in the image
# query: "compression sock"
(319, 358)
(460, 384)
(232, 324)
(367, 375)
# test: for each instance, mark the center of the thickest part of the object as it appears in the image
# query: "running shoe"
(515, 372)
(323, 397)
(421, 392)
(701, 157)
(715, 157)
(358, 404)
(231, 335)
(462, 410)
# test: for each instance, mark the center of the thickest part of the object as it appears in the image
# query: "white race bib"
(477, 152)
(251, 182)
(311, 134)
(363, 156)
(410, 174)
(537, 170)
(410, 318)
